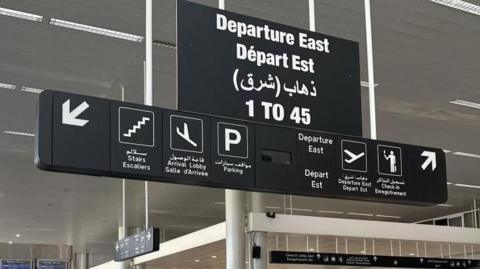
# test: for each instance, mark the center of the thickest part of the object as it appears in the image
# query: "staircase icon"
(136, 127)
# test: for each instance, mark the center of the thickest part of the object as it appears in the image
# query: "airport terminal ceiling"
(426, 57)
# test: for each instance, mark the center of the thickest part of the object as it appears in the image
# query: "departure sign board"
(243, 67)
(138, 244)
(88, 135)
(315, 258)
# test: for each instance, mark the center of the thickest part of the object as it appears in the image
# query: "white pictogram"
(70, 117)
(431, 159)
(392, 159)
(136, 127)
(185, 134)
(353, 156)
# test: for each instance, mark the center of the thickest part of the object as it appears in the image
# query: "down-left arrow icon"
(70, 117)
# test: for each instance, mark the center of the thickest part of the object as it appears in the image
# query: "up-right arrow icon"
(431, 159)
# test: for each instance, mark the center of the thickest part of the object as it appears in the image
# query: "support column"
(80, 260)
(235, 222)
(258, 238)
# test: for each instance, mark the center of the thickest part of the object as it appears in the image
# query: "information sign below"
(315, 258)
(118, 139)
(138, 244)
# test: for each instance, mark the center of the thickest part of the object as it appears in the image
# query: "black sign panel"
(142, 243)
(233, 152)
(315, 258)
(242, 67)
(138, 144)
(70, 123)
(134, 141)
(323, 164)
(186, 147)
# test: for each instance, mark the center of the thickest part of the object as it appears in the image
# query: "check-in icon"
(353, 156)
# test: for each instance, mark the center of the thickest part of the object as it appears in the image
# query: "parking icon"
(136, 127)
(232, 140)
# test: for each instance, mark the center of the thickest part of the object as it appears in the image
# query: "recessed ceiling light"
(272, 207)
(214, 257)
(19, 133)
(197, 260)
(465, 103)
(20, 14)
(467, 186)
(299, 209)
(95, 30)
(460, 5)
(360, 214)
(17, 235)
(7, 86)
(388, 216)
(366, 84)
(329, 212)
(10, 242)
(31, 90)
(311, 249)
(465, 154)
(411, 254)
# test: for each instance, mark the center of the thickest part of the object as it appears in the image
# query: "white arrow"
(70, 117)
(431, 159)
(148, 235)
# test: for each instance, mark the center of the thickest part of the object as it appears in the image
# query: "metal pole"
(257, 204)
(122, 229)
(311, 14)
(475, 212)
(234, 218)
(148, 91)
(371, 80)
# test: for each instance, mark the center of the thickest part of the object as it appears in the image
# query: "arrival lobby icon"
(186, 134)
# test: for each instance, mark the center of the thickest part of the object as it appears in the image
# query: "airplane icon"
(185, 135)
(353, 156)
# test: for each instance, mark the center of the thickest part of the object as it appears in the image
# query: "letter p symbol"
(232, 137)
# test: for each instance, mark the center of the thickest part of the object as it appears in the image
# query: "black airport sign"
(141, 243)
(337, 259)
(236, 66)
(88, 135)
